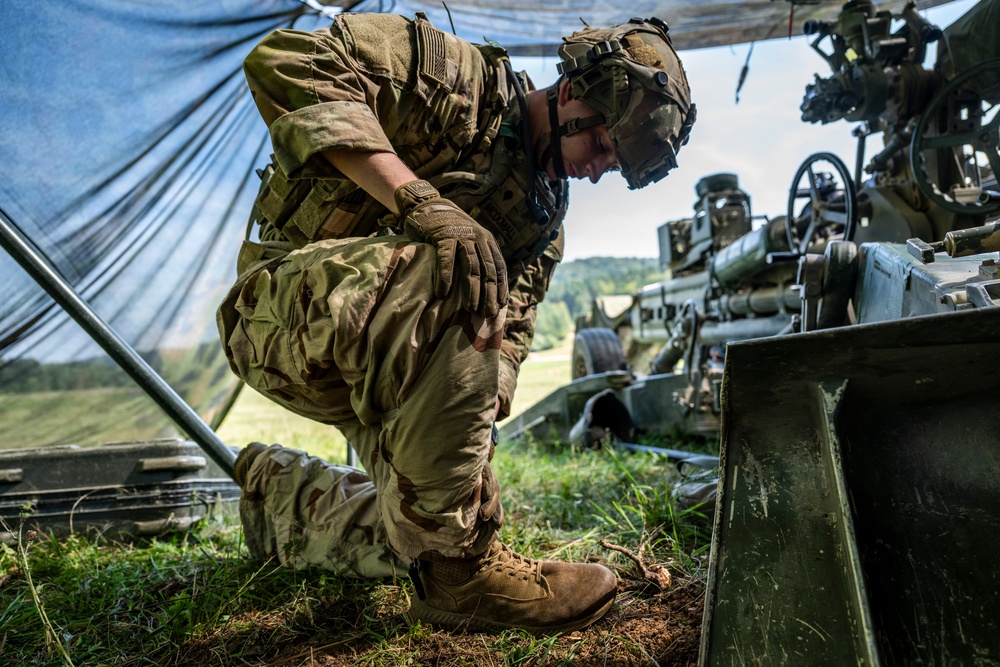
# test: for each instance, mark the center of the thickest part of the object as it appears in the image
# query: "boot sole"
(420, 610)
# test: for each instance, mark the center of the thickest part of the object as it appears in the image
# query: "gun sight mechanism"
(878, 75)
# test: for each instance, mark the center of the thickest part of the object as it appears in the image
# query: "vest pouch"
(304, 210)
(279, 197)
(331, 209)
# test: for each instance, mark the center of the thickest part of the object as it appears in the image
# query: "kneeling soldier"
(409, 225)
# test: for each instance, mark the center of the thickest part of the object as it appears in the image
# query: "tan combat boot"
(502, 589)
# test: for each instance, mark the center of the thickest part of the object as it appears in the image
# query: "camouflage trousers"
(349, 333)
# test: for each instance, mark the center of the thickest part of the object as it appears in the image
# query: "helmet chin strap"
(555, 144)
(571, 126)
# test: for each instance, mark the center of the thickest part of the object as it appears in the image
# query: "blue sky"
(762, 139)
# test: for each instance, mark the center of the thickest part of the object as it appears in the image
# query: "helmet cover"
(632, 75)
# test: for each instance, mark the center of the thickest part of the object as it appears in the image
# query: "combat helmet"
(632, 76)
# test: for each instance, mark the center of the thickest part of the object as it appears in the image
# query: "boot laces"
(502, 558)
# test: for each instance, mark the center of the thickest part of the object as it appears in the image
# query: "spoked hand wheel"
(830, 203)
(954, 150)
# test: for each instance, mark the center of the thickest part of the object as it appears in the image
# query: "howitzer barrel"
(720, 333)
(760, 301)
(748, 256)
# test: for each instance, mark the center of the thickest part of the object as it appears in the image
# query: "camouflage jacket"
(447, 108)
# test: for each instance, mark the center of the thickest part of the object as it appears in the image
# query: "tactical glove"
(468, 257)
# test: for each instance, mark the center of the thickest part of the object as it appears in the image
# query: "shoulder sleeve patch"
(433, 52)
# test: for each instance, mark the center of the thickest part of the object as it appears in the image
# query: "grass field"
(194, 599)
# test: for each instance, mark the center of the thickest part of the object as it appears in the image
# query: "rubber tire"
(597, 351)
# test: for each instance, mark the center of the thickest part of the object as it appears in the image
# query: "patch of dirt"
(646, 626)
(13, 574)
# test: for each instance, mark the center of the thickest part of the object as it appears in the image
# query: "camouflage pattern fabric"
(632, 75)
(367, 83)
(348, 332)
(305, 512)
(372, 82)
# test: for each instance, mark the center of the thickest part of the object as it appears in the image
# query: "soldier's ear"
(565, 93)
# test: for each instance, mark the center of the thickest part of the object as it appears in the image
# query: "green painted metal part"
(649, 401)
(858, 519)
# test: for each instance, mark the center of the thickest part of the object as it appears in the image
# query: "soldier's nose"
(595, 171)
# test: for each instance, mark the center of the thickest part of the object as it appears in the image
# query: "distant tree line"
(24, 375)
(575, 285)
(29, 375)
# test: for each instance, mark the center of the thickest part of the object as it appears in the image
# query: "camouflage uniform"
(338, 322)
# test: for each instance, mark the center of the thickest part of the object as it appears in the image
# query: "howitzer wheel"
(959, 134)
(830, 212)
(597, 351)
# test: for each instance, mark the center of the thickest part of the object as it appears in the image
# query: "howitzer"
(739, 286)
(839, 255)
(725, 281)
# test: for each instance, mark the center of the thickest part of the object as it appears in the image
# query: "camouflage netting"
(127, 147)
(969, 43)
(532, 28)
(128, 141)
